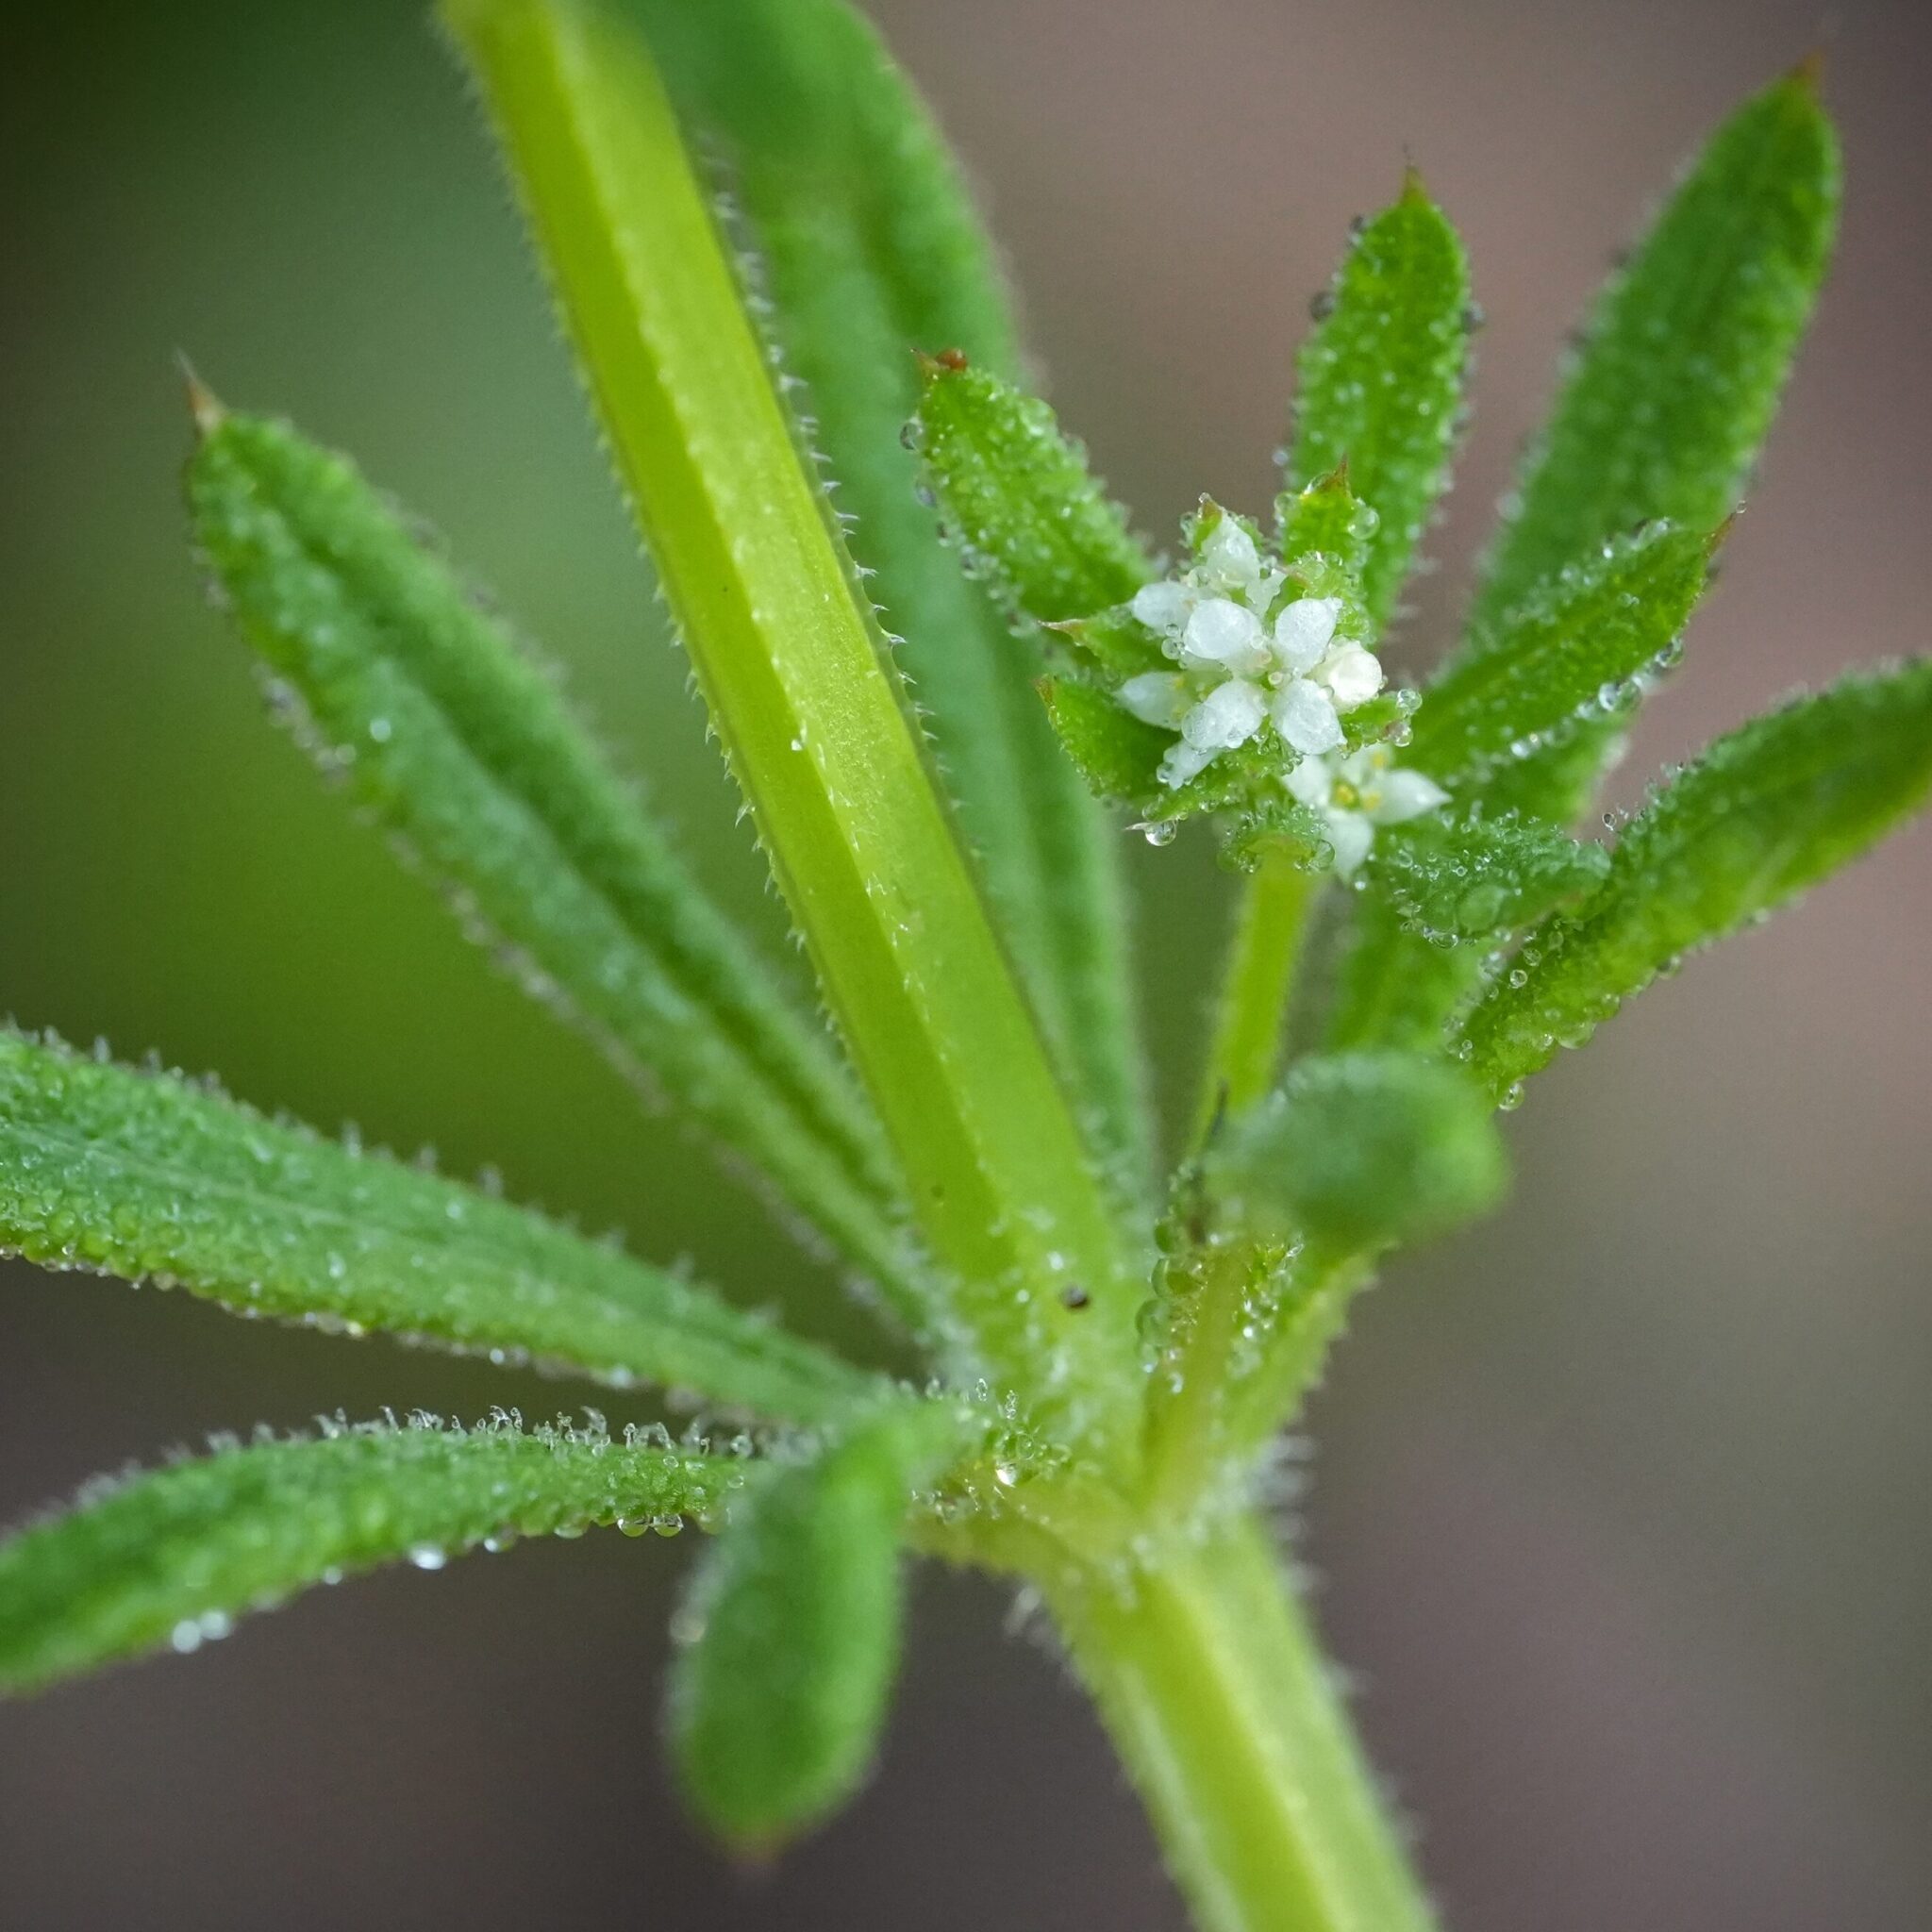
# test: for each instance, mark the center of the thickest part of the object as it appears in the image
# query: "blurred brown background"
(1621, 1502)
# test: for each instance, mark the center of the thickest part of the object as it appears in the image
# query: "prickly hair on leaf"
(1769, 810)
(865, 242)
(456, 743)
(151, 1177)
(175, 1556)
(1360, 1150)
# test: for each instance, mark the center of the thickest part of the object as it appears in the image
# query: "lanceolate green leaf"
(1360, 1150)
(149, 1177)
(1766, 811)
(1017, 494)
(1663, 408)
(1564, 660)
(1392, 987)
(174, 1557)
(869, 249)
(1475, 879)
(1380, 380)
(797, 679)
(461, 747)
(1662, 411)
(792, 1628)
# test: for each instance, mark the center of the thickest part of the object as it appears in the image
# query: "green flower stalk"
(948, 693)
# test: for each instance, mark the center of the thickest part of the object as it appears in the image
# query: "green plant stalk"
(1214, 1689)
(1184, 1439)
(1251, 1008)
(803, 691)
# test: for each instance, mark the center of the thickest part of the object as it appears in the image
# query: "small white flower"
(1305, 715)
(1351, 673)
(1229, 715)
(1228, 557)
(1358, 793)
(1158, 697)
(1182, 762)
(1165, 607)
(1304, 631)
(1226, 636)
(1237, 670)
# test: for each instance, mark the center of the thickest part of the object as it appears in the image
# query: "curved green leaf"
(791, 1635)
(1768, 810)
(1360, 1150)
(1380, 383)
(460, 747)
(1570, 656)
(1475, 878)
(172, 1557)
(1032, 520)
(151, 1177)
(1663, 407)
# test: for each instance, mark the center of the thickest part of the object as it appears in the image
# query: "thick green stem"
(1215, 1689)
(1251, 1012)
(803, 691)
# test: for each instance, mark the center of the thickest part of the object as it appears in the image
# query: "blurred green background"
(1619, 1504)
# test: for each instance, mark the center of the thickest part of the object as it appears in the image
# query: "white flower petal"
(1305, 630)
(1351, 835)
(1227, 635)
(1311, 783)
(1363, 768)
(1353, 673)
(1304, 713)
(1156, 697)
(1405, 795)
(1228, 558)
(1229, 715)
(1184, 761)
(1163, 606)
(1264, 589)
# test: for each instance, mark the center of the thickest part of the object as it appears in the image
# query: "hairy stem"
(804, 693)
(1219, 1699)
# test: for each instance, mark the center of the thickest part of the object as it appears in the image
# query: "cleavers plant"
(1112, 1339)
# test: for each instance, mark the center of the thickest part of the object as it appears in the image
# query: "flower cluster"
(1247, 659)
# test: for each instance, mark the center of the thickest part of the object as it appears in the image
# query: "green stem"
(1219, 1699)
(798, 680)
(1251, 1013)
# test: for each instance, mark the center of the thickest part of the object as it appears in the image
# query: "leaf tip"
(1807, 77)
(204, 405)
